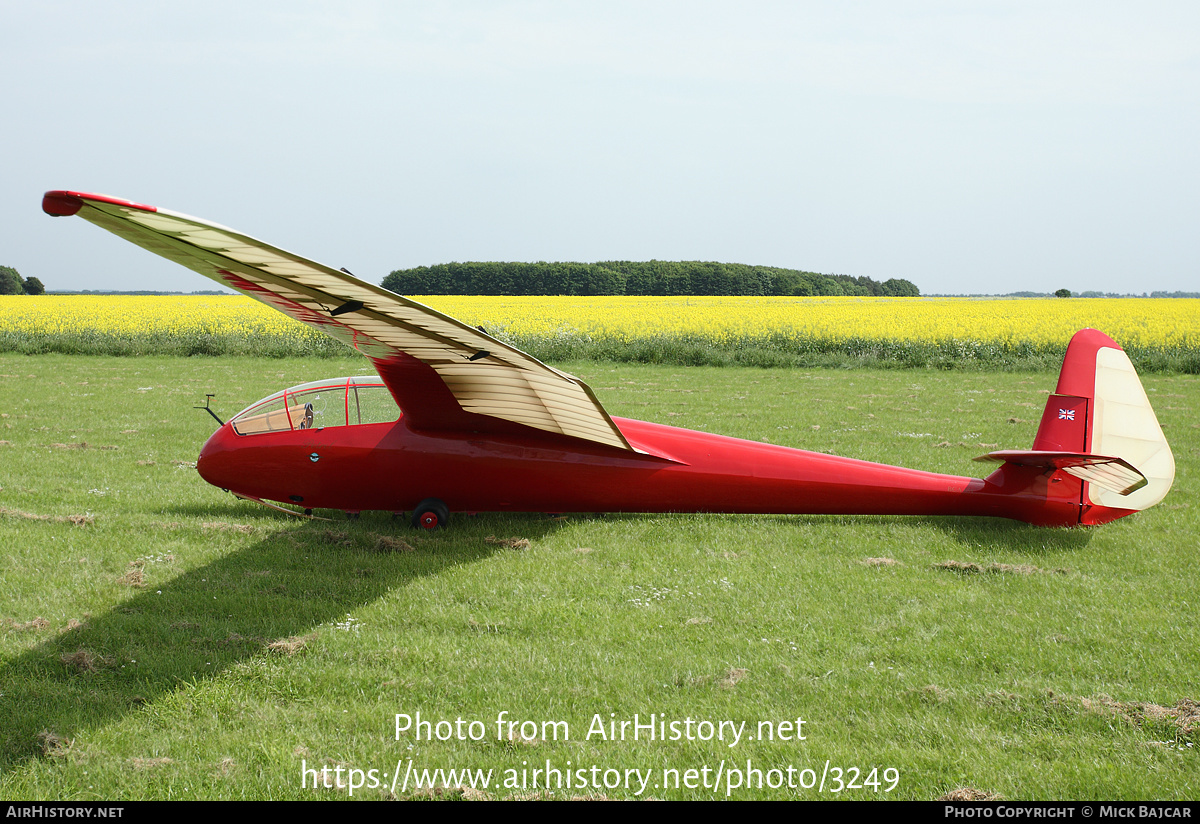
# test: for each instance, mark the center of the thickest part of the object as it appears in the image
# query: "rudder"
(1100, 408)
(1098, 446)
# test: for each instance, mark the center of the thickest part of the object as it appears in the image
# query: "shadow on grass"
(202, 622)
(974, 532)
(1000, 533)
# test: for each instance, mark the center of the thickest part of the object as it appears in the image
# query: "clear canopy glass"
(331, 402)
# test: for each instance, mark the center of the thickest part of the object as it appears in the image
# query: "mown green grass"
(1024, 683)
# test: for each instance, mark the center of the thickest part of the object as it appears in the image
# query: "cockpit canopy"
(331, 402)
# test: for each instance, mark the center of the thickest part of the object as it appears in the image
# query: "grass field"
(163, 640)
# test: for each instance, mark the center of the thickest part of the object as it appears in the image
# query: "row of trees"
(11, 283)
(624, 277)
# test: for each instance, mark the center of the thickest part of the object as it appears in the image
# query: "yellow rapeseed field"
(722, 321)
(136, 316)
(1144, 322)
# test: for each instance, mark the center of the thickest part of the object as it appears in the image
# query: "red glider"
(459, 421)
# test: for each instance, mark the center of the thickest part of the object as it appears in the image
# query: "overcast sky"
(965, 146)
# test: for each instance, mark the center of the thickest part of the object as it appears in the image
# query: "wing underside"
(444, 374)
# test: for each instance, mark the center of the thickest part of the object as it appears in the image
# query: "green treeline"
(11, 283)
(624, 277)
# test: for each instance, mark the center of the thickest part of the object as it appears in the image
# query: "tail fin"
(1099, 427)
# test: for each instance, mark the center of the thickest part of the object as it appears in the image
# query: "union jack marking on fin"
(1066, 414)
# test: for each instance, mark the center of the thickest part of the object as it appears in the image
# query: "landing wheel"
(430, 514)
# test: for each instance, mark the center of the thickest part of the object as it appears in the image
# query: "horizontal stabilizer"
(1114, 474)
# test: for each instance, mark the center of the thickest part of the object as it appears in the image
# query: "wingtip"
(61, 203)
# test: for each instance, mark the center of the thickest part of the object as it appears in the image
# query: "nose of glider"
(213, 464)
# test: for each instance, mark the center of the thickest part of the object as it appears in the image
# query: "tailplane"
(1099, 428)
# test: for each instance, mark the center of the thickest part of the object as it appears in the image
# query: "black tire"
(431, 513)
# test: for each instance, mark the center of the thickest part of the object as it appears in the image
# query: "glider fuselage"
(392, 467)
